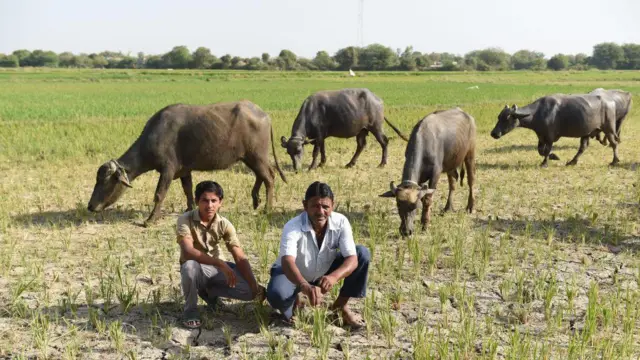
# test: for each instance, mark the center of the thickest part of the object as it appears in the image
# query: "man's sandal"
(192, 323)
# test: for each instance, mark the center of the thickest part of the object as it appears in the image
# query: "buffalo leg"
(471, 177)
(384, 141)
(164, 182)
(584, 142)
(265, 175)
(427, 200)
(614, 145)
(452, 176)
(361, 140)
(541, 150)
(316, 152)
(187, 186)
(470, 164)
(323, 155)
(544, 149)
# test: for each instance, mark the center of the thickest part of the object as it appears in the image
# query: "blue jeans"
(281, 293)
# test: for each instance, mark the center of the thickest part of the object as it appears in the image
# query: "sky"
(248, 28)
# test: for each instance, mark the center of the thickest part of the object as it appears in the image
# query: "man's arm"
(291, 271)
(191, 253)
(244, 267)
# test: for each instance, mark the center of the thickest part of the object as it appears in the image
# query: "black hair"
(209, 186)
(318, 189)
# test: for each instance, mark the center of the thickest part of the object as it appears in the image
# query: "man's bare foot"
(349, 318)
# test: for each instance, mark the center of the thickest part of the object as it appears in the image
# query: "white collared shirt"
(299, 240)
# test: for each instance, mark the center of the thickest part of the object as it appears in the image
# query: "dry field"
(546, 267)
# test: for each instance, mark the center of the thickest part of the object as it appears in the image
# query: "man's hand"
(326, 283)
(228, 272)
(259, 293)
(314, 293)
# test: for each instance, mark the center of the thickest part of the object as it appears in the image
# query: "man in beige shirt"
(203, 268)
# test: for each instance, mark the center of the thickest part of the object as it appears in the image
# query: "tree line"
(607, 55)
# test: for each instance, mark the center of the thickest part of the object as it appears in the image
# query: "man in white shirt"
(316, 251)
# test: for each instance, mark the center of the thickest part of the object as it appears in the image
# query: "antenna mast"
(361, 22)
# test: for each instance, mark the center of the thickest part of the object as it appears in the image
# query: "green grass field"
(546, 267)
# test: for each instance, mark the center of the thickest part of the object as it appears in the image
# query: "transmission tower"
(361, 22)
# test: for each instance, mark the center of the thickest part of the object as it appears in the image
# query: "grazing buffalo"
(623, 103)
(555, 116)
(182, 138)
(440, 143)
(341, 113)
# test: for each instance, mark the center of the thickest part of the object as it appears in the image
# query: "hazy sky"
(250, 27)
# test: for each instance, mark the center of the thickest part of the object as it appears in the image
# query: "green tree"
(225, 62)
(289, 59)
(43, 58)
(347, 58)
(202, 58)
(9, 61)
(99, 61)
(82, 61)
(607, 56)
(558, 62)
(378, 57)
(66, 59)
(631, 56)
(178, 58)
(323, 61)
(408, 59)
(23, 57)
(528, 60)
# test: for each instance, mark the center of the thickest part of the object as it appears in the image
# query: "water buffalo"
(441, 142)
(182, 138)
(623, 101)
(555, 116)
(339, 113)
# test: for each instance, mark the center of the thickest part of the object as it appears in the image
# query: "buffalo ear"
(427, 192)
(283, 142)
(514, 108)
(310, 141)
(123, 178)
(392, 191)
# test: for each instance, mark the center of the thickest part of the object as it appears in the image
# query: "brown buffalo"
(441, 142)
(182, 138)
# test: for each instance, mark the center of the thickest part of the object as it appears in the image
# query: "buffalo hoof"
(544, 165)
(381, 165)
(614, 162)
(553, 157)
(349, 165)
(572, 162)
(469, 209)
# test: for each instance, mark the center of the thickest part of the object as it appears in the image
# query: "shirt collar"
(306, 223)
(196, 217)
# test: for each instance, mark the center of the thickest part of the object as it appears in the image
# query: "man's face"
(208, 205)
(318, 209)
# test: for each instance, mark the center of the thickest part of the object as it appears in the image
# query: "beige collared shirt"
(207, 240)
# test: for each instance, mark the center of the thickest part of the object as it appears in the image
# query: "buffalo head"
(295, 149)
(110, 184)
(410, 197)
(508, 119)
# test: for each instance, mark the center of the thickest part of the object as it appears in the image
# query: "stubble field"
(546, 267)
